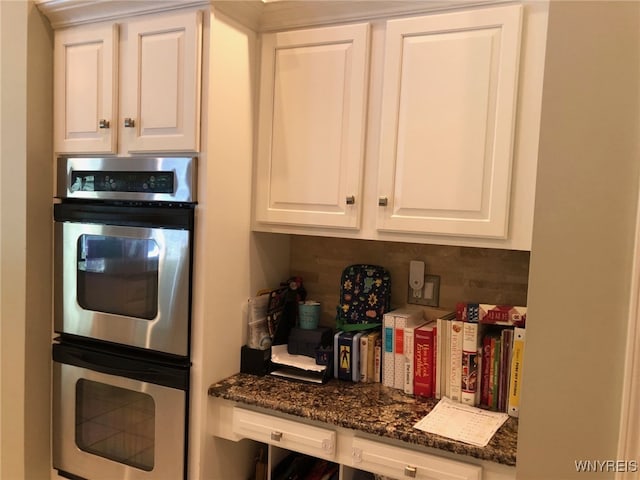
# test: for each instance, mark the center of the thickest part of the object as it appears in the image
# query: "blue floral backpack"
(365, 296)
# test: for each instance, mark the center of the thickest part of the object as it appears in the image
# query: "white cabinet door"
(312, 126)
(160, 106)
(448, 109)
(85, 86)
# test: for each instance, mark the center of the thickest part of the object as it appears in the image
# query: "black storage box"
(306, 342)
(255, 361)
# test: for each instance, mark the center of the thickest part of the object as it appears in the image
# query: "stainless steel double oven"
(122, 294)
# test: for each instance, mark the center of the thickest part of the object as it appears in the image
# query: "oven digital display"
(141, 182)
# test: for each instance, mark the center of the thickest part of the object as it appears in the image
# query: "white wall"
(582, 251)
(25, 243)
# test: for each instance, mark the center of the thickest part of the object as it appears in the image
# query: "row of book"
(473, 355)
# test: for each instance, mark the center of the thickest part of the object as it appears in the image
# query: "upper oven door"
(120, 283)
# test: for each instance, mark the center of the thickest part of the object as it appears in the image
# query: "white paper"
(462, 422)
(280, 355)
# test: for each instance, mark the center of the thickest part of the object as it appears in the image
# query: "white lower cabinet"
(307, 439)
(400, 463)
(348, 454)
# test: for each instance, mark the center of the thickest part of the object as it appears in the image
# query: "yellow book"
(515, 381)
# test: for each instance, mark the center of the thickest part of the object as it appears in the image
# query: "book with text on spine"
(506, 347)
(367, 355)
(409, 358)
(402, 319)
(442, 350)
(506, 315)
(424, 360)
(455, 360)
(471, 346)
(388, 358)
(515, 383)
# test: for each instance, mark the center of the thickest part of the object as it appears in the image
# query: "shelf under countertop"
(370, 408)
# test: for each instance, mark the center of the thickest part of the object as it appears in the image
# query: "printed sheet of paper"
(462, 422)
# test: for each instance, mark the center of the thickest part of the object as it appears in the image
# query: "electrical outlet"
(429, 296)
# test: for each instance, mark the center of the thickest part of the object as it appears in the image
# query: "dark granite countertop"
(366, 407)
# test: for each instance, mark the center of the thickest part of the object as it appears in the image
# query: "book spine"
(364, 357)
(470, 360)
(515, 384)
(377, 367)
(486, 369)
(424, 359)
(507, 315)
(494, 373)
(336, 353)
(455, 374)
(506, 347)
(388, 365)
(355, 357)
(409, 359)
(398, 350)
(445, 385)
(434, 353)
(345, 355)
(371, 355)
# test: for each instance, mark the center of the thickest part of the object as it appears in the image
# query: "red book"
(424, 365)
(508, 315)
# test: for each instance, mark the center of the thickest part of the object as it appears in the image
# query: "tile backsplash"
(467, 274)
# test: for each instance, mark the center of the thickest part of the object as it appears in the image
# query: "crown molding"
(273, 15)
(259, 15)
(66, 13)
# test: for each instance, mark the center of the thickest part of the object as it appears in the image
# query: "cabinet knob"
(351, 200)
(276, 436)
(410, 471)
(103, 123)
(382, 201)
(129, 122)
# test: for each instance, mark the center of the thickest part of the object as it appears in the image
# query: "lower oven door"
(108, 426)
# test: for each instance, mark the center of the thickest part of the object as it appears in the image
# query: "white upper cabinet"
(161, 58)
(129, 87)
(447, 122)
(430, 135)
(313, 94)
(85, 87)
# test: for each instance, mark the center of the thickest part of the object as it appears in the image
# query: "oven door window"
(118, 275)
(115, 423)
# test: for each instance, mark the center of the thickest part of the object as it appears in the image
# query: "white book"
(455, 373)
(470, 363)
(388, 366)
(409, 359)
(441, 354)
(403, 318)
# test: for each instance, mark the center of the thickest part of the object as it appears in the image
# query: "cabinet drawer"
(402, 464)
(288, 434)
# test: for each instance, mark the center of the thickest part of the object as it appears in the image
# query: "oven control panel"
(141, 182)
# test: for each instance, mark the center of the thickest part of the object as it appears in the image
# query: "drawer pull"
(276, 436)
(410, 471)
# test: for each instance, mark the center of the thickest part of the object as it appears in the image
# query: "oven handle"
(110, 363)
